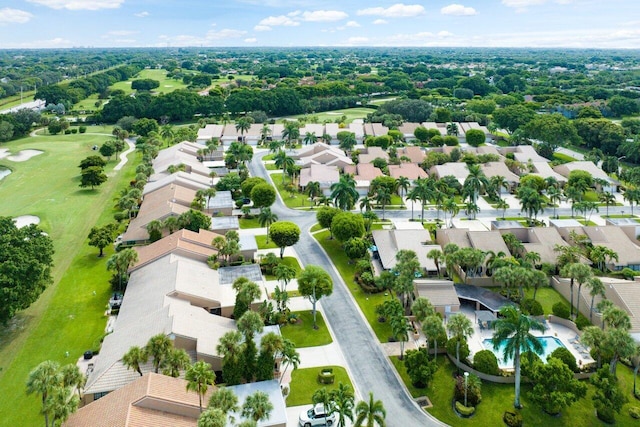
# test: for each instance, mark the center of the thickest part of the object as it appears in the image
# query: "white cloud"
(444, 34)
(324, 16)
(278, 21)
(224, 34)
(352, 24)
(379, 22)
(250, 40)
(79, 4)
(357, 40)
(522, 3)
(212, 37)
(398, 10)
(14, 16)
(262, 28)
(143, 14)
(294, 13)
(121, 33)
(458, 10)
(51, 43)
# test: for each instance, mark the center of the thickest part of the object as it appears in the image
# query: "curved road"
(370, 369)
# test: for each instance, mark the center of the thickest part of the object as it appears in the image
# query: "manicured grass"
(498, 398)
(289, 261)
(590, 196)
(166, 84)
(316, 227)
(261, 240)
(304, 382)
(249, 222)
(563, 157)
(350, 113)
(271, 156)
(271, 167)
(302, 333)
(585, 222)
(15, 100)
(402, 371)
(619, 216)
(547, 297)
(366, 302)
(297, 201)
(68, 316)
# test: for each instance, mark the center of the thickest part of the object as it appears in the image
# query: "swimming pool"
(548, 344)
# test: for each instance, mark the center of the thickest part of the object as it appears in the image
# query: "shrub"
(561, 310)
(74, 131)
(566, 357)
(464, 348)
(326, 376)
(606, 414)
(512, 419)
(487, 362)
(531, 307)
(634, 412)
(82, 129)
(464, 411)
(420, 367)
(628, 273)
(67, 132)
(582, 322)
(474, 395)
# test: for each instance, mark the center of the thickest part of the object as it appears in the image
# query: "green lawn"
(271, 167)
(591, 196)
(249, 222)
(15, 100)
(302, 333)
(402, 371)
(166, 84)
(350, 113)
(288, 261)
(262, 242)
(297, 201)
(68, 316)
(304, 382)
(563, 157)
(366, 302)
(88, 103)
(316, 227)
(547, 297)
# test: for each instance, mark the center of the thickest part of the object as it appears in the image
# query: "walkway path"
(367, 363)
(124, 154)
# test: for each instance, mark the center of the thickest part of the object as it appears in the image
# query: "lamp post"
(466, 380)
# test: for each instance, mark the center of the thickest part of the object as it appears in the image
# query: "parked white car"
(315, 417)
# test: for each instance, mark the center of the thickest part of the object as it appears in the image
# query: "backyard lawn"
(252, 222)
(68, 317)
(302, 333)
(289, 261)
(366, 302)
(304, 382)
(262, 242)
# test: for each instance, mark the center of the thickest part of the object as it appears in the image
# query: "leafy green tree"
(199, 377)
(325, 216)
(475, 137)
(93, 176)
(513, 331)
(422, 308)
(419, 367)
(555, 387)
(283, 234)
(177, 360)
(608, 398)
(231, 349)
(101, 237)
(194, 221)
(271, 344)
(43, 380)
(257, 406)
(107, 149)
(92, 161)
(248, 184)
(356, 248)
(370, 413)
(249, 325)
(212, 417)
(119, 263)
(459, 326)
(224, 399)
(347, 225)
(513, 117)
(314, 283)
(407, 265)
(246, 292)
(263, 195)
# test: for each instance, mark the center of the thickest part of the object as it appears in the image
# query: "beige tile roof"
(492, 169)
(366, 172)
(415, 154)
(369, 154)
(325, 175)
(184, 179)
(441, 293)
(210, 131)
(389, 242)
(595, 171)
(458, 170)
(408, 170)
(408, 129)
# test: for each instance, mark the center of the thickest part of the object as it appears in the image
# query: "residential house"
(565, 170)
(313, 128)
(524, 154)
(492, 169)
(363, 173)
(440, 127)
(389, 242)
(208, 132)
(408, 170)
(188, 180)
(321, 153)
(407, 129)
(544, 170)
(415, 154)
(221, 204)
(324, 174)
(230, 134)
(332, 130)
(179, 154)
(458, 170)
(375, 129)
(441, 293)
(464, 127)
(357, 128)
(541, 240)
(369, 154)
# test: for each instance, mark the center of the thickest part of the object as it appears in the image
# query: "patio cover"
(485, 318)
(492, 300)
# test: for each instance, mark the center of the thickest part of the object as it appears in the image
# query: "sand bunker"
(4, 152)
(24, 155)
(24, 220)
(4, 172)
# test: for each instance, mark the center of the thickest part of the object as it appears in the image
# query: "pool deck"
(566, 336)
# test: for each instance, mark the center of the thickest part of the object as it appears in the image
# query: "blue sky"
(161, 23)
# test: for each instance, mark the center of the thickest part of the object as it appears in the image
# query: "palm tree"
(199, 377)
(403, 183)
(72, 377)
(432, 328)
(323, 397)
(158, 348)
(503, 206)
(266, 218)
(530, 201)
(289, 356)
(400, 328)
(436, 256)
(310, 138)
(171, 224)
(212, 417)
(608, 199)
(224, 399)
(176, 360)
(167, 133)
(275, 146)
(475, 182)
(344, 193)
(452, 129)
(412, 197)
(154, 228)
(555, 197)
(283, 162)
(423, 191)
(257, 406)
(61, 402)
(230, 348)
(343, 401)
(632, 195)
(460, 327)
(43, 380)
(313, 190)
(243, 125)
(264, 133)
(513, 330)
(451, 207)
(575, 271)
(383, 197)
(498, 182)
(120, 262)
(596, 287)
(370, 414)
(135, 357)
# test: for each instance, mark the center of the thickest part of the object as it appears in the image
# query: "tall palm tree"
(555, 197)
(403, 183)
(43, 380)
(167, 133)
(452, 129)
(289, 356)
(498, 182)
(632, 195)
(608, 199)
(412, 197)
(310, 138)
(199, 377)
(344, 193)
(283, 162)
(257, 406)
(513, 330)
(120, 262)
(451, 207)
(224, 399)
(72, 377)
(343, 401)
(243, 125)
(275, 145)
(264, 133)
(596, 287)
(383, 197)
(423, 191)
(158, 347)
(61, 402)
(370, 414)
(323, 397)
(503, 206)
(135, 357)
(266, 218)
(171, 224)
(436, 256)
(576, 271)
(313, 190)
(230, 348)
(460, 327)
(432, 328)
